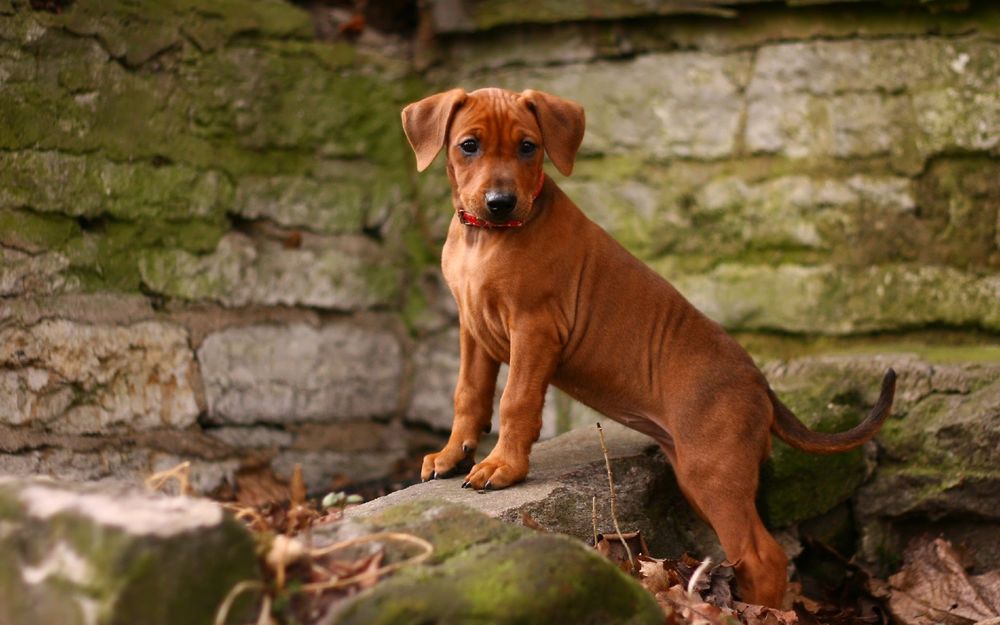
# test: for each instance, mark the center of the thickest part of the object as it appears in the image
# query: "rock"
(75, 377)
(567, 472)
(436, 363)
(51, 181)
(810, 99)
(827, 299)
(349, 197)
(275, 374)
(347, 273)
(695, 111)
(484, 570)
(936, 468)
(33, 274)
(80, 555)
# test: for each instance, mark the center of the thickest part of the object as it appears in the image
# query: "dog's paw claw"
(488, 485)
(465, 484)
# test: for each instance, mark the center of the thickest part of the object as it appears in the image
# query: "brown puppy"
(543, 288)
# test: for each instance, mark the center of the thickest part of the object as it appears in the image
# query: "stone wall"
(214, 245)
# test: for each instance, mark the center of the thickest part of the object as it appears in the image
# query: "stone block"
(75, 377)
(78, 555)
(345, 273)
(291, 373)
(827, 299)
(680, 105)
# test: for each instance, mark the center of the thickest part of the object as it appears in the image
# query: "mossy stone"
(536, 579)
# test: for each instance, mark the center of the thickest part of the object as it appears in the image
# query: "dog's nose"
(500, 204)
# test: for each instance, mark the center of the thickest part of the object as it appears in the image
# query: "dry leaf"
(613, 548)
(933, 587)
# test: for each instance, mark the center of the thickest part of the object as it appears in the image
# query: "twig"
(181, 473)
(614, 500)
(347, 581)
(593, 517)
(227, 604)
(697, 574)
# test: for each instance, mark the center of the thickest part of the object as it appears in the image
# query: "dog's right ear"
(426, 124)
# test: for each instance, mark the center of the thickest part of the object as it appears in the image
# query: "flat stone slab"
(85, 554)
(567, 473)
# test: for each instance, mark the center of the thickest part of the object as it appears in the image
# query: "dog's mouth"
(470, 219)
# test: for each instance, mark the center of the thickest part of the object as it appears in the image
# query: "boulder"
(486, 571)
(86, 555)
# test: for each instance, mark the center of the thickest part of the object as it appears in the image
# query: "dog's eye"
(469, 146)
(527, 148)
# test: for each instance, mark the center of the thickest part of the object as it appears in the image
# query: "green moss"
(537, 579)
(939, 346)
(796, 485)
(35, 231)
(452, 529)
(108, 255)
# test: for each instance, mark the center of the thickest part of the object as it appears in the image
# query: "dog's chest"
(486, 295)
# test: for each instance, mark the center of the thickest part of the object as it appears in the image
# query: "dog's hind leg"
(717, 463)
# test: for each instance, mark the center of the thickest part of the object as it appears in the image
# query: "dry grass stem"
(181, 473)
(693, 582)
(614, 500)
(593, 517)
(375, 574)
(227, 604)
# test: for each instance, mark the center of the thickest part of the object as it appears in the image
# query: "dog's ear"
(562, 123)
(426, 124)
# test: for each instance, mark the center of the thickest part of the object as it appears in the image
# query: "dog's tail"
(789, 429)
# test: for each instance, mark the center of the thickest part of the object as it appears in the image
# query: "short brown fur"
(564, 304)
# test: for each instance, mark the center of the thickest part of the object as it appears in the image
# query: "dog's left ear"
(562, 123)
(426, 124)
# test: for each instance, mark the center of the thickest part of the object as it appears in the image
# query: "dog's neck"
(470, 220)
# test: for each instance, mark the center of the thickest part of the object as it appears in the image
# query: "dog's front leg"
(533, 360)
(477, 382)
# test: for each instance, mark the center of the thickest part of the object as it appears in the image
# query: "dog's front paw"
(496, 471)
(446, 463)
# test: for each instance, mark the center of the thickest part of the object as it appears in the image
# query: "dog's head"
(494, 141)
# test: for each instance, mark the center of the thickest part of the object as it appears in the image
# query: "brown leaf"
(655, 576)
(933, 587)
(528, 521)
(613, 548)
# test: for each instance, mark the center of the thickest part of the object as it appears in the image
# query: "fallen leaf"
(613, 548)
(933, 587)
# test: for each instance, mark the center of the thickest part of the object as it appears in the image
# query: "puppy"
(543, 288)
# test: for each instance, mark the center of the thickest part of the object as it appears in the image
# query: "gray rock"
(567, 472)
(528, 577)
(685, 104)
(75, 377)
(827, 299)
(23, 274)
(908, 99)
(350, 196)
(83, 555)
(936, 460)
(343, 273)
(264, 373)
(436, 364)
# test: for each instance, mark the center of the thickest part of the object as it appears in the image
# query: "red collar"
(468, 219)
